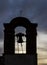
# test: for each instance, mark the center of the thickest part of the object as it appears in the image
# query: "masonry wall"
(20, 59)
(1, 60)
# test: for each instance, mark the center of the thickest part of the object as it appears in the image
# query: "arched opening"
(20, 41)
(9, 32)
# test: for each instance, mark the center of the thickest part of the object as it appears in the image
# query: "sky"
(35, 11)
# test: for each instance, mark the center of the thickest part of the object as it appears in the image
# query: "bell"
(19, 36)
(20, 40)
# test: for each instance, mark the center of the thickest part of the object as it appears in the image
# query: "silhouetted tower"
(30, 57)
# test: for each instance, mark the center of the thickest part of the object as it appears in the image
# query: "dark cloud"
(34, 10)
(1, 50)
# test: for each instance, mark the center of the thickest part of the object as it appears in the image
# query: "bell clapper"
(18, 47)
(22, 47)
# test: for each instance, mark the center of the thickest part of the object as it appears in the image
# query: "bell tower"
(30, 58)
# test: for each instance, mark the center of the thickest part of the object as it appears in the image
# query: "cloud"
(34, 10)
(42, 40)
(0, 50)
(1, 47)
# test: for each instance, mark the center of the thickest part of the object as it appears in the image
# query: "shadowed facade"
(10, 58)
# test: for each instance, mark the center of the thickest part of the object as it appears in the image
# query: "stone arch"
(9, 33)
(20, 21)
